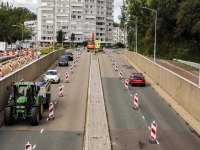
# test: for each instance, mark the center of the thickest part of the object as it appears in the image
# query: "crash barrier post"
(51, 110)
(126, 84)
(61, 90)
(67, 77)
(71, 70)
(135, 102)
(153, 133)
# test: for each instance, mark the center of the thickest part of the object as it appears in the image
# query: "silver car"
(52, 75)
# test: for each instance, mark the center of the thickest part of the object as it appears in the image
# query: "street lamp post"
(155, 32)
(62, 40)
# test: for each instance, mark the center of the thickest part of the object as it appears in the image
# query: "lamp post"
(22, 30)
(62, 40)
(155, 32)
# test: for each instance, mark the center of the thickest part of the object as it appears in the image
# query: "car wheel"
(67, 64)
(131, 84)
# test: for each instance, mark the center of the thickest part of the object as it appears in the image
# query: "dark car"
(115, 47)
(69, 55)
(63, 61)
(137, 79)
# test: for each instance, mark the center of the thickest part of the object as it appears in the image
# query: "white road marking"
(55, 102)
(157, 142)
(41, 131)
(34, 146)
(143, 117)
(47, 119)
(131, 95)
(149, 128)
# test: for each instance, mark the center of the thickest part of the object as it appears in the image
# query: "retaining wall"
(186, 93)
(29, 72)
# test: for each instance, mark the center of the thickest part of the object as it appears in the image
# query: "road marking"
(41, 131)
(47, 119)
(131, 95)
(143, 117)
(149, 128)
(55, 102)
(34, 146)
(157, 142)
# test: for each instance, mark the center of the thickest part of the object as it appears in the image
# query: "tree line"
(9, 16)
(178, 27)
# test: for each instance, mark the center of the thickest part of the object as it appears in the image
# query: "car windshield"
(63, 59)
(138, 77)
(68, 53)
(51, 73)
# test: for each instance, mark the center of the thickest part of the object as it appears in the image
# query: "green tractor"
(24, 102)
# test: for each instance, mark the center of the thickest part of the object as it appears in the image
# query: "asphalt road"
(129, 128)
(66, 131)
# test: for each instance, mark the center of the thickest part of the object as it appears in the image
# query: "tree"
(115, 24)
(72, 37)
(60, 36)
(85, 43)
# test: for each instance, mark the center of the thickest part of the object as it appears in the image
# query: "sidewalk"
(96, 133)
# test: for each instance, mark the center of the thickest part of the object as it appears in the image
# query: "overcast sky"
(32, 6)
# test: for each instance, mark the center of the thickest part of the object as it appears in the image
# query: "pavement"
(129, 128)
(67, 129)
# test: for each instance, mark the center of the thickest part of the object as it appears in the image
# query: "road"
(129, 128)
(66, 131)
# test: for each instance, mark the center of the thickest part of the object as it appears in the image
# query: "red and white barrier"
(153, 133)
(135, 102)
(109, 54)
(113, 62)
(10, 65)
(61, 90)
(71, 70)
(74, 63)
(78, 55)
(1, 73)
(111, 58)
(25, 59)
(67, 77)
(76, 58)
(120, 74)
(126, 84)
(30, 57)
(19, 62)
(28, 146)
(51, 111)
(116, 67)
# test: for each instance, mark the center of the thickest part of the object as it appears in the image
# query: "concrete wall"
(28, 72)
(186, 93)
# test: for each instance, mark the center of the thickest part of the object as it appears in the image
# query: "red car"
(137, 79)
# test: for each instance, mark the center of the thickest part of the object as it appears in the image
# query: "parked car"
(137, 79)
(63, 61)
(78, 48)
(115, 47)
(52, 75)
(69, 55)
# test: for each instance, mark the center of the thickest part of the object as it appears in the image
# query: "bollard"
(126, 84)
(152, 139)
(51, 111)
(74, 63)
(120, 74)
(25, 59)
(61, 90)
(113, 62)
(76, 58)
(10, 65)
(116, 67)
(19, 62)
(71, 70)
(66, 77)
(135, 102)
(28, 146)
(110, 57)
(1, 73)
(30, 57)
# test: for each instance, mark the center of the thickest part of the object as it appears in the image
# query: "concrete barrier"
(186, 93)
(28, 72)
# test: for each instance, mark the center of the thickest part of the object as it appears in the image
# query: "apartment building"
(32, 24)
(118, 35)
(81, 17)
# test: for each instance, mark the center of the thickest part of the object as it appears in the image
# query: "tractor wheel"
(8, 116)
(41, 110)
(34, 116)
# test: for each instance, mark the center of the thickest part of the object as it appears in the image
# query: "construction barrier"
(71, 70)
(126, 84)
(67, 77)
(10, 65)
(110, 57)
(116, 67)
(74, 63)
(61, 90)
(135, 102)
(109, 54)
(19, 62)
(120, 74)
(76, 58)
(28, 146)
(113, 62)
(153, 133)
(25, 60)
(51, 111)
(1, 73)
(30, 57)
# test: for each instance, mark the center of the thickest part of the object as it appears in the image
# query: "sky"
(32, 6)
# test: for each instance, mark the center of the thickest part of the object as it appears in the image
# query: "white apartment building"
(32, 24)
(81, 17)
(118, 35)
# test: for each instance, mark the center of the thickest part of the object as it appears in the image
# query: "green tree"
(85, 43)
(60, 36)
(115, 24)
